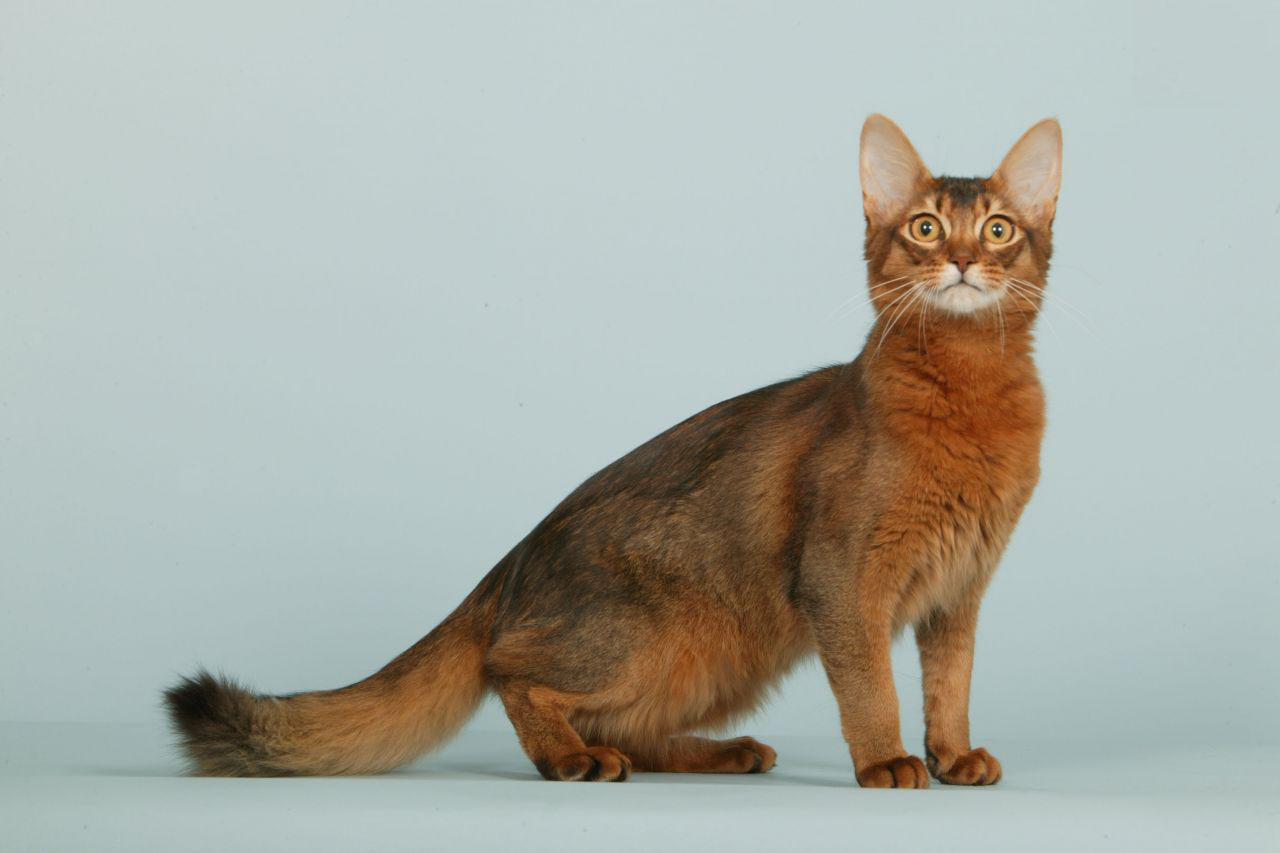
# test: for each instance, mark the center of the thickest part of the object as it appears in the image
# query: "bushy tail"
(414, 703)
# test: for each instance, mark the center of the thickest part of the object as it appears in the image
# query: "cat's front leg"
(853, 628)
(945, 639)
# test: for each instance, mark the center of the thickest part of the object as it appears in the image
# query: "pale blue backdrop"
(309, 311)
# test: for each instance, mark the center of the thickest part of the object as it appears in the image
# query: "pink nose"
(962, 263)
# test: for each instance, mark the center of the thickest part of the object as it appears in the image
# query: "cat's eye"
(997, 230)
(925, 228)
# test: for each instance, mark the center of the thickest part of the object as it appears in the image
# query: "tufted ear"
(891, 170)
(1031, 172)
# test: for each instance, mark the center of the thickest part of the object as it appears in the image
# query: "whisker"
(868, 300)
(1035, 309)
(899, 297)
(1031, 318)
(915, 293)
(1093, 279)
(1054, 298)
(888, 281)
(1000, 317)
(924, 344)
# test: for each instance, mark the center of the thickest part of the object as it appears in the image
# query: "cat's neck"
(958, 357)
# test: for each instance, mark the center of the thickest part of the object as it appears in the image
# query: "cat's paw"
(905, 771)
(594, 764)
(975, 767)
(748, 755)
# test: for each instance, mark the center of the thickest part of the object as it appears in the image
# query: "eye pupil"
(997, 229)
(926, 228)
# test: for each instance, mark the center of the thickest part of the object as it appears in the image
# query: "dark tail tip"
(215, 720)
(194, 701)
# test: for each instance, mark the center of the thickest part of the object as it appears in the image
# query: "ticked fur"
(669, 592)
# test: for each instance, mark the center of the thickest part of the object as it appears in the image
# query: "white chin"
(963, 299)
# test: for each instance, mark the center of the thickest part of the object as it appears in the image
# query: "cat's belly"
(696, 673)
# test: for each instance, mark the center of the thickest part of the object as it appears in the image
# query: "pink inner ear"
(891, 170)
(1031, 171)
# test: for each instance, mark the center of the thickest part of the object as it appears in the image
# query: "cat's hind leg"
(687, 754)
(538, 714)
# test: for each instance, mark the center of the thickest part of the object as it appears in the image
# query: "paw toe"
(752, 756)
(595, 764)
(905, 771)
(975, 767)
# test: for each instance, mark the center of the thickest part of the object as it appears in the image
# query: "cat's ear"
(1031, 172)
(892, 172)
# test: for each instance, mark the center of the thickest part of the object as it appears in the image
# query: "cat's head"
(964, 246)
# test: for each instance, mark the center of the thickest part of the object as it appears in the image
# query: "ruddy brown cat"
(667, 593)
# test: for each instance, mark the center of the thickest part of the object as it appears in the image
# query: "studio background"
(309, 312)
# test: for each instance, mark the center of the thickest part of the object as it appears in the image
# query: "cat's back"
(711, 502)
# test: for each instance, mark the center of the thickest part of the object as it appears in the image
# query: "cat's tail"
(411, 705)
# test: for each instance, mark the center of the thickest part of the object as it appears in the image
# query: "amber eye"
(925, 228)
(998, 230)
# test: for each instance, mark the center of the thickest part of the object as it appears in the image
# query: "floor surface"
(103, 787)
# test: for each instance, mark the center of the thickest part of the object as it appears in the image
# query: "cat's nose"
(962, 261)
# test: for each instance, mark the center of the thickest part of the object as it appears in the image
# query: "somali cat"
(672, 589)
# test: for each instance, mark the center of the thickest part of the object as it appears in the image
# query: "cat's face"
(963, 246)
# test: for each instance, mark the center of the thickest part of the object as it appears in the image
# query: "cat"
(670, 591)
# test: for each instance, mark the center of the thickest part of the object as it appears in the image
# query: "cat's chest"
(960, 484)
(965, 473)
(975, 450)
